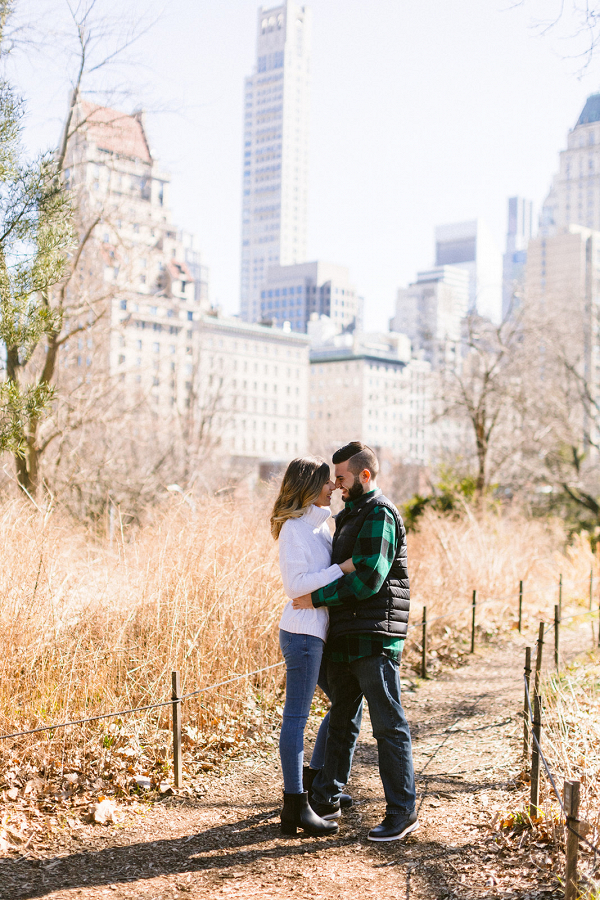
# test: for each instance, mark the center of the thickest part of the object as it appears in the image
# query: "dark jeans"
(378, 679)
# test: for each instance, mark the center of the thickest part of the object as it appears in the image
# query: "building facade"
(574, 197)
(295, 293)
(135, 272)
(368, 390)
(222, 382)
(562, 289)
(518, 235)
(255, 383)
(470, 246)
(430, 312)
(275, 167)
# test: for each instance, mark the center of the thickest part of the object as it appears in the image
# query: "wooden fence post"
(538, 660)
(526, 726)
(571, 800)
(424, 645)
(534, 805)
(591, 586)
(176, 694)
(473, 622)
(560, 592)
(556, 636)
(520, 605)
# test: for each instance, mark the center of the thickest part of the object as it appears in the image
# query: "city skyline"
(396, 149)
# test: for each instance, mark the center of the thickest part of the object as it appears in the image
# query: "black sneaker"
(394, 827)
(326, 810)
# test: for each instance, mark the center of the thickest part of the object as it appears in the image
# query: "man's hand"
(304, 602)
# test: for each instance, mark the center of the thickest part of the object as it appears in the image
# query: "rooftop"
(116, 131)
(591, 111)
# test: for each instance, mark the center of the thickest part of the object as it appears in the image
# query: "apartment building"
(368, 388)
(243, 387)
(254, 383)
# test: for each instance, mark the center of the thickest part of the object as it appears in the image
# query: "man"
(368, 619)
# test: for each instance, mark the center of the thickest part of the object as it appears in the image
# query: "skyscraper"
(574, 198)
(471, 246)
(275, 173)
(518, 235)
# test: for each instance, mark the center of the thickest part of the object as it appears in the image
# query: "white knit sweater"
(305, 563)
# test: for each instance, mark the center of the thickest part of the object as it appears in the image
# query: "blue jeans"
(303, 655)
(377, 678)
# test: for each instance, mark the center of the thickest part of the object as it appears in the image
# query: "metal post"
(560, 593)
(534, 805)
(424, 645)
(538, 659)
(473, 622)
(571, 799)
(520, 605)
(526, 725)
(556, 636)
(176, 694)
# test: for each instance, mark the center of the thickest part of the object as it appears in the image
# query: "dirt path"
(466, 734)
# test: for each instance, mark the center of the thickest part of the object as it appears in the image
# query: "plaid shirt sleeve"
(373, 557)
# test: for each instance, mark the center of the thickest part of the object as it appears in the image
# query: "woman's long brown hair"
(302, 483)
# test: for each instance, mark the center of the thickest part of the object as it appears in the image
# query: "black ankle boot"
(308, 776)
(296, 813)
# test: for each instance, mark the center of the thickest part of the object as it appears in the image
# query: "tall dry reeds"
(88, 624)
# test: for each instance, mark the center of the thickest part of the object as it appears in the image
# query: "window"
(123, 304)
(156, 348)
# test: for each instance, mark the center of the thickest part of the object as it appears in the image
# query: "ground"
(467, 734)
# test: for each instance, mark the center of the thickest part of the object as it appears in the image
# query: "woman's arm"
(294, 564)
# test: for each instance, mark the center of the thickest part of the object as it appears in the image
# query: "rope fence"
(532, 723)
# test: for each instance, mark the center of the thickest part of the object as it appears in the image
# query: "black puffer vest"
(387, 611)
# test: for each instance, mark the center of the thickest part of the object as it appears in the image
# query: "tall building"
(295, 293)
(562, 286)
(430, 312)
(470, 246)
(574, 197)
(518, 235)
(134, 272)
(275, 171)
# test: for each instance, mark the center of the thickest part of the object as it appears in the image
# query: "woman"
(299, 521)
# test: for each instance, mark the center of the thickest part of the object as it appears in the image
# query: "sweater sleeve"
(295, 565)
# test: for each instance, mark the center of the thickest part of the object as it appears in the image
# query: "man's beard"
(356, 490)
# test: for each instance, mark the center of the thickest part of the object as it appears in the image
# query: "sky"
(423, 113)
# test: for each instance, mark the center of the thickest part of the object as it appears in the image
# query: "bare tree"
(486, 393)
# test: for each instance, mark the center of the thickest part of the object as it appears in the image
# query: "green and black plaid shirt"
(373, 557)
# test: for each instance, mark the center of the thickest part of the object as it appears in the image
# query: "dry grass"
(86, 627)
(491, 553)
(571, 744)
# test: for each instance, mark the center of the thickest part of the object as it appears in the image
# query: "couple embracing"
(343, 629)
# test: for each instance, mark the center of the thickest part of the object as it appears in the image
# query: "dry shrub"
(88, 625)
